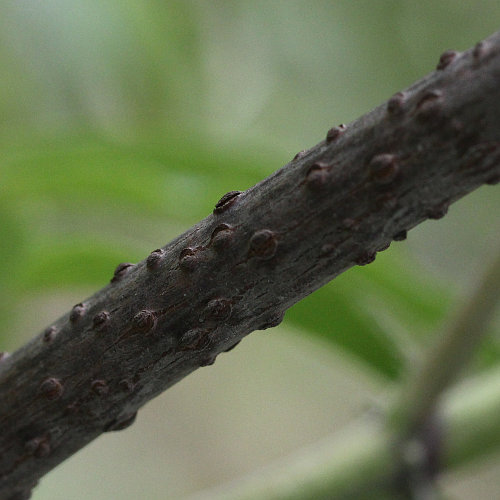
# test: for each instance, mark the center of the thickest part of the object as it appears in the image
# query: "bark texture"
(332, 207)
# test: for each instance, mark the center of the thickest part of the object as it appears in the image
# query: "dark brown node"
(480, 50)
(317, 176)
(154, 259)
(126, 385)
(222, 236)
(101, 320)
(51, 389)
(493, 180)
(145, 321)
(430, 105)
(118, 424)
(384, 168)
(400, 236)
(226, 201)
(208, 361)
(438, 212)
(50, 334)
(99, 387)
(121, 270)
(77, 312)
(446, 59)
(218, 309)
(263, 244)
(396, 104)
(300, 154)
(272, 320)
(189, 258)
(335, 132)
(365, 258)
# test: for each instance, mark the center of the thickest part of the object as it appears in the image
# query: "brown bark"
(238, 270)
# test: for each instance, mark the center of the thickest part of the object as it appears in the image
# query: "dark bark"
(332, 207)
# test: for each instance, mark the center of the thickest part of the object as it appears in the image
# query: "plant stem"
(450, 354)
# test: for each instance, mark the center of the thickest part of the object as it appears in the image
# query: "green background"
(123, 122)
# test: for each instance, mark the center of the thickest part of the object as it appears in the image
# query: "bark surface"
(332, 207)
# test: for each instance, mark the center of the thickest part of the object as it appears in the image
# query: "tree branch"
(332, 207)
(359, 462)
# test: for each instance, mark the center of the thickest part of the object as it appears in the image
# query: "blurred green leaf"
(13, 239)
(148, 178)
(81, 261)
(351, 313)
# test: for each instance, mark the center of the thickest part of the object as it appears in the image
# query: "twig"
(239, 269)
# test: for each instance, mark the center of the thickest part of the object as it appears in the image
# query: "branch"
(332, 207)
(359, 462)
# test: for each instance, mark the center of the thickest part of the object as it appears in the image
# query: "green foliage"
(378, 313)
